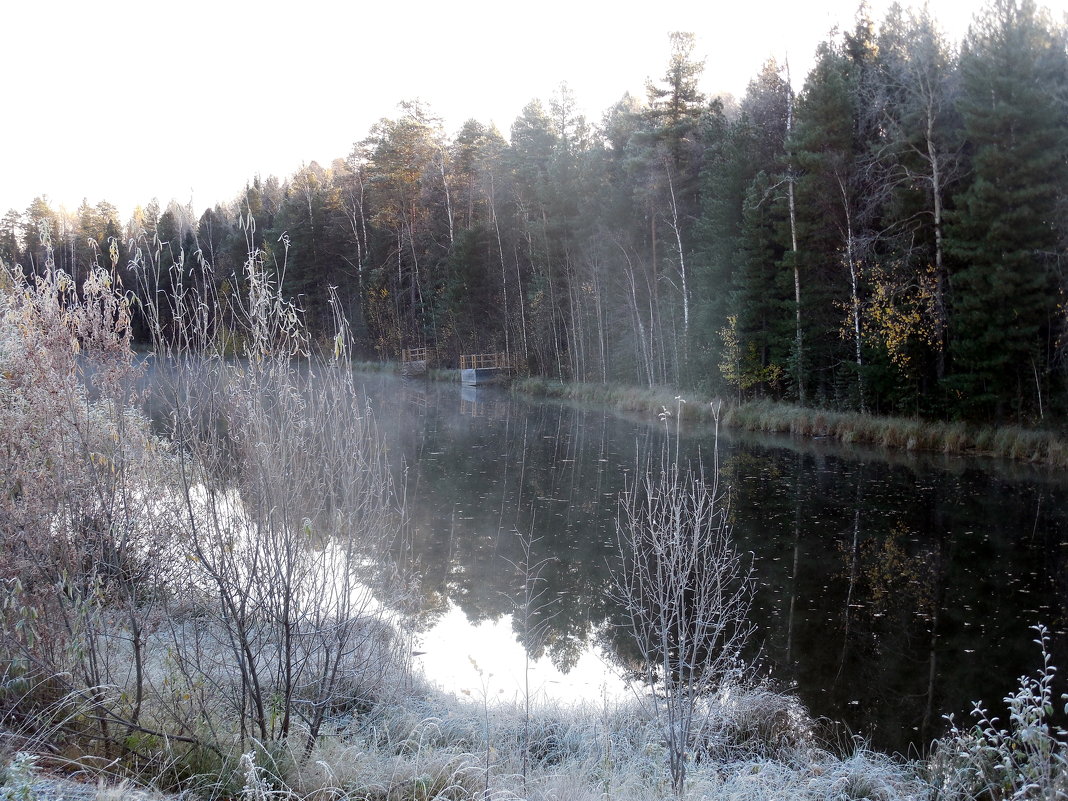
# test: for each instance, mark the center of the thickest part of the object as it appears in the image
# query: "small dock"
(483, 368)
(413, 362)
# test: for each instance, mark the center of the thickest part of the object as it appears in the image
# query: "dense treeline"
(892, 239)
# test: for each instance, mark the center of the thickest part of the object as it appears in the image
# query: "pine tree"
(675, 106)
(763, 289)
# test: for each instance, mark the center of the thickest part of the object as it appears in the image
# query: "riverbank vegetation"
(912, 434)
(889, 240)
(1018, 443)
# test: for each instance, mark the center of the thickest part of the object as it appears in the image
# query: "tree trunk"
(790, 180)
(854, 281)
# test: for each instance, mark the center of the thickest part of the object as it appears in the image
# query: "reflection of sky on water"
(486, 658)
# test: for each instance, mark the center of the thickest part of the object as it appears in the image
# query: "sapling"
(686, 591)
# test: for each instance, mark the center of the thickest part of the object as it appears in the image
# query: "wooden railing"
(480, 361)
(413, 355)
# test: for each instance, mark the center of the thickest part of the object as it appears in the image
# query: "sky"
(127, 101)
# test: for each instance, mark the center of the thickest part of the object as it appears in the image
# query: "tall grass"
(897, 433)
(1006, 442)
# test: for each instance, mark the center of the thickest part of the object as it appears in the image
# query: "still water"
(893, 589)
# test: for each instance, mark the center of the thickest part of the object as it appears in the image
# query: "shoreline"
(909, 434)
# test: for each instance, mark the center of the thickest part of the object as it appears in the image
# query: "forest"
(891, 239)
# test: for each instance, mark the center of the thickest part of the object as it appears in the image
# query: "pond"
(893, 589)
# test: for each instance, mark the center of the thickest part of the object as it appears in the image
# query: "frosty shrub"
(17, 778)
(686, 591)
(1028, 758)
(80, 547)
(173, 597)
(284, 622)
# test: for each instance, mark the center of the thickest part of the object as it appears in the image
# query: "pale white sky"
(125, 100)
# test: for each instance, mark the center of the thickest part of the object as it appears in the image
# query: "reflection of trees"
(852, 560)
(796, 557)
(942, 565)
(947, 562)
(891, 574)
(476, 484)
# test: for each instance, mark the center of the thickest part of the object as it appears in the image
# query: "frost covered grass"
(412, 742)
(440, 747)
(419, 743)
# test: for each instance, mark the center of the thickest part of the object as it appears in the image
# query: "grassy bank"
(899, 433)
(651, 400)
(903, 433)
(411, 742)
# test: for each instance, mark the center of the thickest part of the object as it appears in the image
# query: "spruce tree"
(825, 148)
(1004, 306)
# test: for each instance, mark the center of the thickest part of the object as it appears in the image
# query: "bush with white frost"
(78, 542)
(166, 601)
(685, 591)
(1025, 759)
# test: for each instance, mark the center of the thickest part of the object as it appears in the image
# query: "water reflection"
(489, 658)
(909, 593)
(892, 591)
